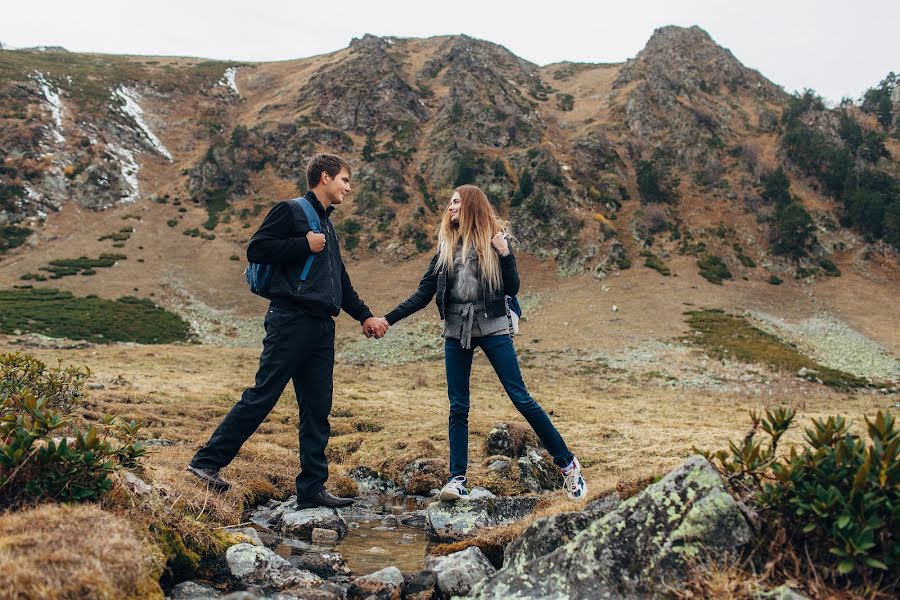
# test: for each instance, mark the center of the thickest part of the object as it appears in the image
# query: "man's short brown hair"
(324, 163)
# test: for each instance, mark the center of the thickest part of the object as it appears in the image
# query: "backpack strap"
(313, 218)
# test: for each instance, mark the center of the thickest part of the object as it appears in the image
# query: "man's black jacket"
(281, 241)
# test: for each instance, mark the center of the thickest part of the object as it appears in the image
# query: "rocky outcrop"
(637, 549)
(537, 473)
(450, 521)
(546, 535)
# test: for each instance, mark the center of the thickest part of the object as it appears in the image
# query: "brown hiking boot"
(211, 478)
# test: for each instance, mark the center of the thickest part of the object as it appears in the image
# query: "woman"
(471, 274)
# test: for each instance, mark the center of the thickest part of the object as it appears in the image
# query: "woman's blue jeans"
(502, 355)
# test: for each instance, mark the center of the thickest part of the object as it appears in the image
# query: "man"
(299, 341)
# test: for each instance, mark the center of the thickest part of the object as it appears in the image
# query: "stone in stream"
(326, 564)
(640, 549)
(324, 536)
(457, 573)
(420, 586)
(301, 523)
(386, 583)
(451, 521)
(191, 590)
(260, 567)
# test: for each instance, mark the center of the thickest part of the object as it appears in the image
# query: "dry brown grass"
(66, 551)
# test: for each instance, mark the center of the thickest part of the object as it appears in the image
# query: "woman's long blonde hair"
(478, 223)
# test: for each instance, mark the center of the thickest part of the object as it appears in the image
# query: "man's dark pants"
(296, 347)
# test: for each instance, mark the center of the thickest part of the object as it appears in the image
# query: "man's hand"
(499, 243)
(375, 327)
(316, 241)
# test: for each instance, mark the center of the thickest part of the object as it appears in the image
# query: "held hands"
(499, 243)
(316, 241)
(375, 327)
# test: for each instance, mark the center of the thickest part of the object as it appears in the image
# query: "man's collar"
(311, 196)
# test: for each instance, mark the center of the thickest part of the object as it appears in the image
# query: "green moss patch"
(57, 313)
(723, 335)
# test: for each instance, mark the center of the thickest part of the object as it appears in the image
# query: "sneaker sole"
(451, 496)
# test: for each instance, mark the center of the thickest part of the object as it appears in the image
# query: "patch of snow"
(55, 103)
(134, 110)
(129, 169)
(229, 80)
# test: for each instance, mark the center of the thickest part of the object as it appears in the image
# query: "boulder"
(537, 473)
(425, 474)
(549, 533)
(248, 532)
(269, 514)
(421, 586)
(260, 567)
(640, 548)
(782, 592)
(191, 590)
(450, 521)
(384, 584)
(457, 573)
(371, 481)
(326, 564)
(299, 524)
(511, 440)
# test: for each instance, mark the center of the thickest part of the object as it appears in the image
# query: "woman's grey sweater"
(466, 316)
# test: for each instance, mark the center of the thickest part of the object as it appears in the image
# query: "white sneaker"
(455, 489)
(573, 482)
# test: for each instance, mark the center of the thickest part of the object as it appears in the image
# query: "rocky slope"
(592, 164)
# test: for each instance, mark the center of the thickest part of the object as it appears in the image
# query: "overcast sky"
(837, 48)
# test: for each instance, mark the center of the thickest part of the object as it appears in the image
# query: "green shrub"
(713, 269)
(172, 222)
(839, 495)
(566, 102)
(35, 464)
(60, 314)
(829, 267)
(656, 263)
(655, 184)
(775, 280)
(12, 236)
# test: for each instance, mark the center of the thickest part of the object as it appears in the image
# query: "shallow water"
(375, 539)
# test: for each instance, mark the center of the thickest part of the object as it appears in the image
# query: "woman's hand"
(499, 244)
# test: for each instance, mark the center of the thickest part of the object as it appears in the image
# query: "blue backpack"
(259, 275)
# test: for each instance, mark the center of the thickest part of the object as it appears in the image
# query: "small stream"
(383, 531)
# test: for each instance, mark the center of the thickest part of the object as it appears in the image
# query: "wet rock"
(242, 595)
(511, 440)
(537, 473)
(269, 514)
(424, 474)
(324, 536)
(414, 518)
(421, 586)
(449, 521)
(457, 573)
(629, 551)
(327, 565)
(258, 566)
(300, 523)
(549, 533)
(383, 584)
(371, 481)
(191, 590)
